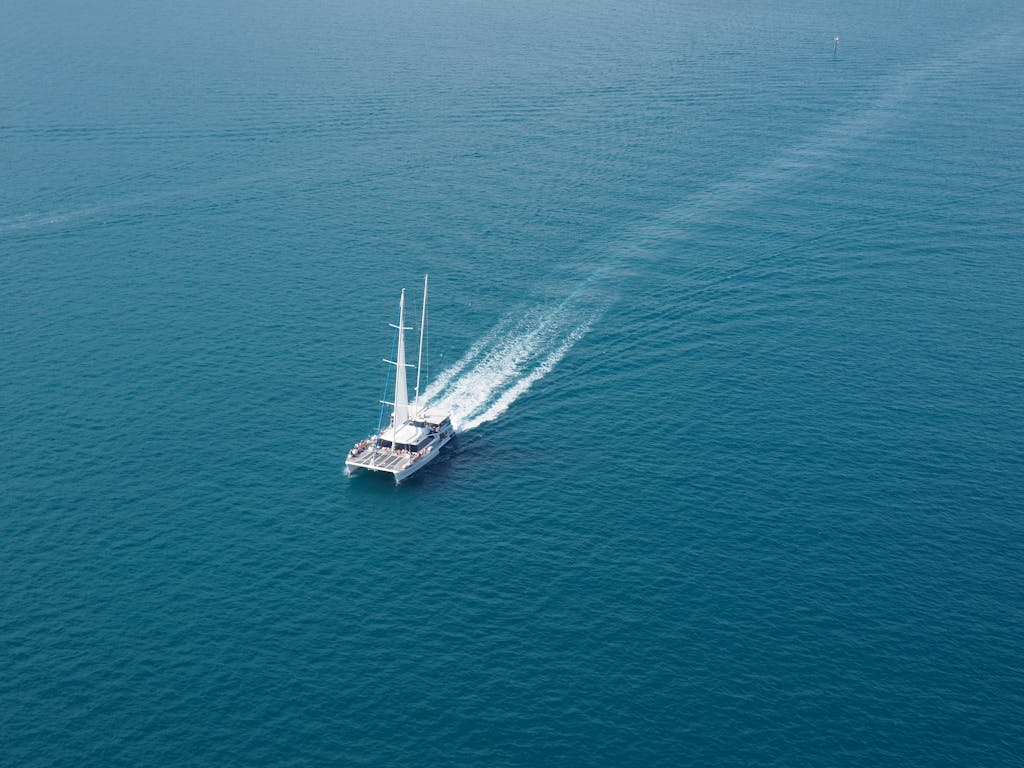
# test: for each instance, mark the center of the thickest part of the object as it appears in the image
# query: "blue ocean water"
(734, 327)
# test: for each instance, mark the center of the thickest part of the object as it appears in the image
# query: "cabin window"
(412, 447)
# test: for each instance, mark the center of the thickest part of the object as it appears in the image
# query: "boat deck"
(380, 459)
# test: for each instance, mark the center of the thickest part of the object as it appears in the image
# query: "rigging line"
(387, 381)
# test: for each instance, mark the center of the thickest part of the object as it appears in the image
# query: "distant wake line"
(504, 364)
(817, 151)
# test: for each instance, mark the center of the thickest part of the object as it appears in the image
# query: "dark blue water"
(734, 326)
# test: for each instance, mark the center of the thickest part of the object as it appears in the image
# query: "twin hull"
(385, 460)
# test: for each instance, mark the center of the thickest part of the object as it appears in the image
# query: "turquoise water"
(734, 328)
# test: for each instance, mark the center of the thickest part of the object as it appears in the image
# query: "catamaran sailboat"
(416, 432)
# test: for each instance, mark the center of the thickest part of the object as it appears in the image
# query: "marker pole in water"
(835, 48)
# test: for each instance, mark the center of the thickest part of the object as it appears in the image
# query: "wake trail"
(520, 350)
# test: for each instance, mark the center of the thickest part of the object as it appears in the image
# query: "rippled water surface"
(733, 327)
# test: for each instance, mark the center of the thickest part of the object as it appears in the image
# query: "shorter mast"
(419, 361)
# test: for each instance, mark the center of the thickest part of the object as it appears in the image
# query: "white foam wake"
(509, 360)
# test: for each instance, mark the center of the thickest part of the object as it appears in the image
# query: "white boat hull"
(398, 464)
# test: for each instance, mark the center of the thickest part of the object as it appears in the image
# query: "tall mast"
(423, 327)
(401, 412)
